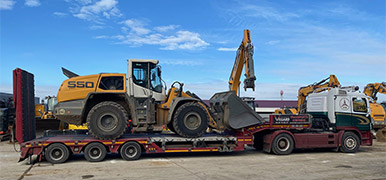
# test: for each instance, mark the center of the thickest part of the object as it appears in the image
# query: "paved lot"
(368, 163)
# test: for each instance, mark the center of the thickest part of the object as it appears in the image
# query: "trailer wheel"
(95, 152)
(107, 120)
(350, 142)
(57, 153)
(130, 151)
(190, 120)
(283, 144)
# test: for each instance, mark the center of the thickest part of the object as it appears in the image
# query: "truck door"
(343, 109)
(360, 116)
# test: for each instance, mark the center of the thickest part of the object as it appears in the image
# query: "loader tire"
(190, 120)
(107, 120)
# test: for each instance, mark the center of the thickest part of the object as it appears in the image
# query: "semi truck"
(335, 118)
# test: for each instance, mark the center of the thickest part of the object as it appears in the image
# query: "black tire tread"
(138, 146)
(103, 148)
(175, 119)
(277, 151)
(107, 103)
(66, 153)
(343, 149)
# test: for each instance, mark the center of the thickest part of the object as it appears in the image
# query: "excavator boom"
(316, 87)
(244, 57)
(372, 89)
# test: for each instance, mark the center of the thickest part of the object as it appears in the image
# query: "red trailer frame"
(266, 135)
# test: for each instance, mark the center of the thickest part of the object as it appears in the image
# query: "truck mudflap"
(232, 112)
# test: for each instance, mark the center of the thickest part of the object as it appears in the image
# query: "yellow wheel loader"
(110, 103)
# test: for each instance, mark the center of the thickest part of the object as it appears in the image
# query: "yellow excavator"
(330, 82)
(377, 110)
(244, 57)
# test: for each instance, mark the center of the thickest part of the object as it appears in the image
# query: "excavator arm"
(244, 57)
(316, 87)
(372, 89)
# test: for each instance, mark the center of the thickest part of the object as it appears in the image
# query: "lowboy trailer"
(280, 135)
(338, 118)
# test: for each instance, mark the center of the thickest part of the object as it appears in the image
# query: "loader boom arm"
(244, 56)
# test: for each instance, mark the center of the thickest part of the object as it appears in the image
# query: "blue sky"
(296, 42)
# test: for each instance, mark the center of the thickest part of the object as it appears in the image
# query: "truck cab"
(339, 108)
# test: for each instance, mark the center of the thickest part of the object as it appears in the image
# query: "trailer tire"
(350, 142)
(107, 120)
(282, 144)
(190, 120)
(57, 153)
(130, 151)
(95, 152)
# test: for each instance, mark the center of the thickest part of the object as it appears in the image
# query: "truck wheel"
(350, 142)
(95, 152)
(283, 144)
(190, 120)
(130, 151)
(57, 153)
(107, 120)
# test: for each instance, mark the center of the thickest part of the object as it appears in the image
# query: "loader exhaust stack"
(229, 109)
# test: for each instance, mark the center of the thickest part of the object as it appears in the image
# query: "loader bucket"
(229, 109)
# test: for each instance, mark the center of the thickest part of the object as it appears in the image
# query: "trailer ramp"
(232, 112)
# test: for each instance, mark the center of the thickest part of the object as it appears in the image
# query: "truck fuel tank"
(232, 112)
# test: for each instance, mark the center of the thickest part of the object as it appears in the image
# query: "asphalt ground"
(368, 163)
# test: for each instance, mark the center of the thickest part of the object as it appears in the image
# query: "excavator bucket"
(229, 109)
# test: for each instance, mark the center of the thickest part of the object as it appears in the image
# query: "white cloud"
(181, 40)
(6, 4)
(96, 11)
(60, 14)
(136, 26)
(136, 34)
(267, 13)
(166, 28)
(32, 3)
(227, 49)
(182, 62)
(101, 37)
(273, 42)
(95, 27)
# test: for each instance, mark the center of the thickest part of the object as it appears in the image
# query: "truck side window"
(111, 83)
(359, 105)
(140, 71)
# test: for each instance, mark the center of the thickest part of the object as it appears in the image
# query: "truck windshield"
(155, 78)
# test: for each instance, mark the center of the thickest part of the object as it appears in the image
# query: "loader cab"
(144, 79)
